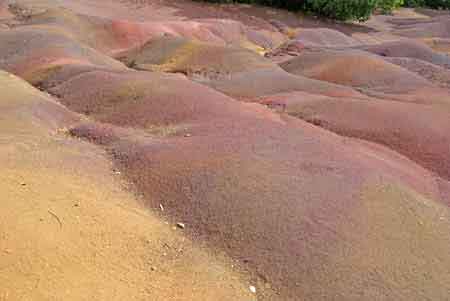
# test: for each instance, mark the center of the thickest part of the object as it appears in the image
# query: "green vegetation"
(436, 4)
(388, 5)
(341, 9)
(344, 10)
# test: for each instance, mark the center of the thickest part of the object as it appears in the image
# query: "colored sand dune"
(177, 150)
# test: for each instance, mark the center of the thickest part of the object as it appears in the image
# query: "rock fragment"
(181, 225)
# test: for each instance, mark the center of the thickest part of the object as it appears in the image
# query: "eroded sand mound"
(69, 230)
(141, 99)
(354, 68)
(224, 189)
(175, 54)
(438, 44)
(32, 52)
(236, 211)
(333, 186)
(114, 35)
(410, 49)
(253, 84)
(434, 73)
(417, 131)
(437, 26)
(324, 37)
(231, 70)
(210, 129)
(369, 74)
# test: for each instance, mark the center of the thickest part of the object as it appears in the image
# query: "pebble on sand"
(181, 225)
(252, 289)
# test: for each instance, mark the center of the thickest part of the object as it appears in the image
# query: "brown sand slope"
(354, 68)
(141, 99)
(70, 231)
(438, 44)
(113, 35)
(196, 177)
(419, 132)
(272, 211)
(437, 26)
(265, 199)
(410, 49)
(175, 54)
(31, 52)
(324, 37)
(234, 71)
(434, 73)
(252, 84)
(368, 73)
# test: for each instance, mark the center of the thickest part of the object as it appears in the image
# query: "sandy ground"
(176, 150)
(71, 231)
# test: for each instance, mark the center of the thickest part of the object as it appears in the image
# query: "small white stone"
(252, 289)
(181, 225)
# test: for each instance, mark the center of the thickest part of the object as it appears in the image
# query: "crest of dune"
(324, 37)
(354, 68)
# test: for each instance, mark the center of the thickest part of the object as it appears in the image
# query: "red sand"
(174, 54)
(434, 73)
(335, 185)
(410, 49)
(420, 132)
(324, 37)
(221, 180)
(354, 68)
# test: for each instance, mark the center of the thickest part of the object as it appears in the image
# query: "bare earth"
(176, 150)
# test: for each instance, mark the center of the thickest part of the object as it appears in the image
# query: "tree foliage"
(388, 5)
(344, 10)
(436, 4)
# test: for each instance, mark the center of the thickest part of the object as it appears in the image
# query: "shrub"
(414, 3)
(436, 4)
(443, 4)
(335, 9)
(341, 9)
(387, 6)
